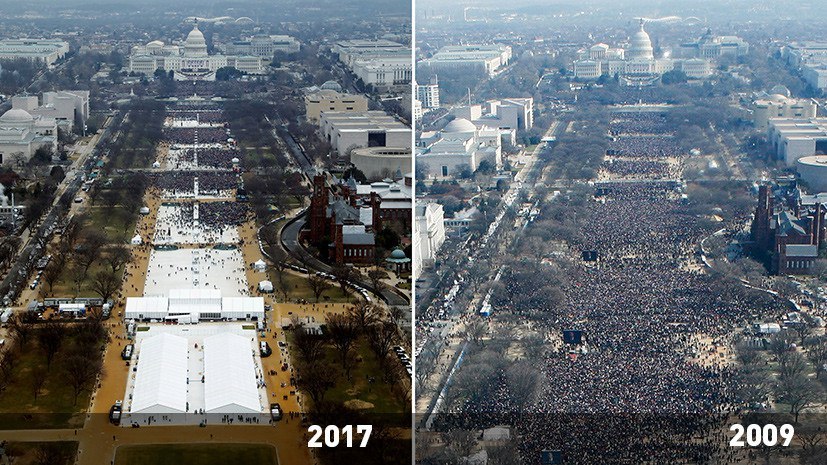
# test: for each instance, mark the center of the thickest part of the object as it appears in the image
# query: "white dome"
(16, 115)
(598, 47)
(641, 45)
(195, 44)
(331, 85)
(235, 160)
(459, 125)
(778, 98)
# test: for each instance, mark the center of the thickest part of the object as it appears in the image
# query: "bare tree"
(364, 313)
(106, 283)
(343, 332)
(37, 380)
(309, 346)
(81, 372)
(318, 285)
(317, 379)
(343, 274)
(117, 256)
(817, 354)
(51, 274)
(381, 337)
(50, 336)
(799, 391)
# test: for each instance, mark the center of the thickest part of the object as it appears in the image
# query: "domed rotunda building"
(191, 60)
(636, 65)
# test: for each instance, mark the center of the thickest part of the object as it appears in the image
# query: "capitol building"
(190, 61)
(636, 65)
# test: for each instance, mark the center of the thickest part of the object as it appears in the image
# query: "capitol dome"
(195, 45)
(459, 125)
(641, 45)
(16, 115)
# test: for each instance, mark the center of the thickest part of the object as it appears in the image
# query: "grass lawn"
(196, 454)
(299, 289)
(112, 222)
(55, 406)
(23, 453)
(377, 393)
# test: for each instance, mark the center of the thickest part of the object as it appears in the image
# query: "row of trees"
(76, 345)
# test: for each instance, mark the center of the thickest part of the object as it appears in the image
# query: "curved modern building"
(382, 162)
(813, 171)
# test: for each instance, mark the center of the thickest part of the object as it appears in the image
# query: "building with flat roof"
(793, 138)
(428, 94)
(264, 46)
(64, 106)
(45, 51)
(350, 130)
(510, 113)
(379, 63)
(713, 46)
(489, 58)
(781, 106)
(331, 100)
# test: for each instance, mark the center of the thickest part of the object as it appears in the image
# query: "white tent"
(260, 265)
(161, 380)
(230, 375)
(146, 308)
(265, 286)
(242, 308)
(136, 240)
(144, 210)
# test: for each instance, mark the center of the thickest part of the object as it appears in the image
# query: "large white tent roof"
(230, 375)
(243, 305)
(145, 306)
(161, 381)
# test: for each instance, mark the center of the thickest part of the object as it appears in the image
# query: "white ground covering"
(172, 229)
(196, 269)
(238, 382)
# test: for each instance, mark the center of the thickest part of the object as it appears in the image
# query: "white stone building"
(428, 94)
(489, 58)
(262, 46)
(346, 131)
(429, 230)
(21, 134)
(459, 144)
(330, 100)
(45, 51)
(64, 106)
(636, 65)
(190, 62)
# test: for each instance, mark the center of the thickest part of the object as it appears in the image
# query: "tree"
(51, 274)
(117, 256)
(376, 277)
(799, 392)
(50, 336)
(805, 327)
(343, 274)
(381, 337)
(317, 379)
(90, 249)
(106, 283)
(523, 380)
(318, 285)
(52, 453)
(81, 372)
(37, 380)
(363, 313)
(817, 354)
(309, 346)
(343, 332)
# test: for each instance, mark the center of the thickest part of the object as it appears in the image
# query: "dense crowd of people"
(215, 156)
(642, 388)
(203, 135)
(182, 183)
